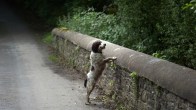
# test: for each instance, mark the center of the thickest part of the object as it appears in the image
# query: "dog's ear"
(95, 46)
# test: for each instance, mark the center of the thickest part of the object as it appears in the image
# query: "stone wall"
(132, 85)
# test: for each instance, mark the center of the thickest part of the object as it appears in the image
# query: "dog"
(98, 64)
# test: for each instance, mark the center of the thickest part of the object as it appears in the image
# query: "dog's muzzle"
(103, 46)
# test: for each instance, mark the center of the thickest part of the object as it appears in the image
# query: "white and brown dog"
(98, 64)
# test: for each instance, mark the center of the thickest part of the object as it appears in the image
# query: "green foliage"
(163, 28)
(191, 5)
(50, 10)
(159, 55)
(160, 27)
(177, 33)
(133, 75)
(95, 24)
(47, 38)
(53, 58)
(121, 106)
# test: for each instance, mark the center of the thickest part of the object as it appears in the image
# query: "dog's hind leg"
(90, 86)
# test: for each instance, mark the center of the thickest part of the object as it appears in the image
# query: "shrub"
(163, 28)
(160, 28)
(96, 24)
(47, 38)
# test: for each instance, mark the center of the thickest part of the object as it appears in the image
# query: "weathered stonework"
(121, 90)
(73, 55)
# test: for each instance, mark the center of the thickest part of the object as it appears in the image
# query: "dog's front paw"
(114, 58)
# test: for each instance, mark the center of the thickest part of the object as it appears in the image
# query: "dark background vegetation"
(163, 28)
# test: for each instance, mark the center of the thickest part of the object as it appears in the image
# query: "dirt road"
(28, 80)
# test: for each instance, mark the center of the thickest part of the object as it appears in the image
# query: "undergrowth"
(47, 38)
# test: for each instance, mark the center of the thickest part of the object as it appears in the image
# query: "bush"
(47, 38)
(96, 24)
(161, 28)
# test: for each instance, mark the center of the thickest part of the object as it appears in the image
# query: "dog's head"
(98, 46)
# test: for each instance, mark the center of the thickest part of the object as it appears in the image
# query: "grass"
(53, 58)
(47, 38)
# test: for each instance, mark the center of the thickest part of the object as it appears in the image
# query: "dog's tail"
(85, 82)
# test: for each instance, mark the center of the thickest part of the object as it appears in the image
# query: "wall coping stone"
(175, 78)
